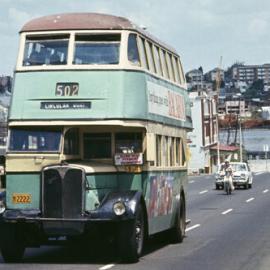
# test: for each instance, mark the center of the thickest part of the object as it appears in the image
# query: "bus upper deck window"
(133, 54)
(97, 49)
(45, 50)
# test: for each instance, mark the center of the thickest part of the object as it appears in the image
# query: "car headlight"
(2, 207)
(243, 176)
(119, 208)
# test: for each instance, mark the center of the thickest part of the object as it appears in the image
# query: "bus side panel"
(123, 94)
(162, 198)
(22, 185)
(130, 181)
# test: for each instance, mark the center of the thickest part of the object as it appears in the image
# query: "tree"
(258, 85)
(255, 90)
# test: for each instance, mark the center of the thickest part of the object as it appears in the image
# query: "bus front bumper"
(35, 216)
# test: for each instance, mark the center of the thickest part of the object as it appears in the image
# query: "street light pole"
(240, 139)
(240, 128)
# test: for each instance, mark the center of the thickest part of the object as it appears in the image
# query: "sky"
(201, 31)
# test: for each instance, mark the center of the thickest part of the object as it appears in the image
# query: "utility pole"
(218, 81)
(240, 128)
(240, 140)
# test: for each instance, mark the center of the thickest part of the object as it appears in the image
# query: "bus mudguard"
(129, 199)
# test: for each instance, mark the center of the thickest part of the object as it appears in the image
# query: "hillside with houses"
(238, 97)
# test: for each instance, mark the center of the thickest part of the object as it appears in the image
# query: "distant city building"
(212, 75)
(5, 95)
(194, 80)
(195, 75)
(251, 73)
(237, 107)
(5, 84)
(204, 134)
(265, 113)
(3, 124)
(242, 86)
(3, 113)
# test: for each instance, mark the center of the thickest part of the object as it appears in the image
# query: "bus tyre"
(12, 248)
(130, 238)
(178, 232)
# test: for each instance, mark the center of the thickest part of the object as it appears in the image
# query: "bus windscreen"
(45, 51)
(97, 49)
(34, 141)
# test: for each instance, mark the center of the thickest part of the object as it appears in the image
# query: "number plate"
(67, 89)
(21, 198)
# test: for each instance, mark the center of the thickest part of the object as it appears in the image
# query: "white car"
(242, 176)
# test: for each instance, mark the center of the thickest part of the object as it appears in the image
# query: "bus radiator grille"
(63, 192)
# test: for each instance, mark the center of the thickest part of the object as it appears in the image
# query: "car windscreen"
(239, 167)
(34, 140)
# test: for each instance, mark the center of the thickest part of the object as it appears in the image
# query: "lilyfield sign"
(128, 159)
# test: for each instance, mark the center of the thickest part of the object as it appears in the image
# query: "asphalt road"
(226, 232)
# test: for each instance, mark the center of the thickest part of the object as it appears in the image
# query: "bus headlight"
(2, 207)
(119, 208)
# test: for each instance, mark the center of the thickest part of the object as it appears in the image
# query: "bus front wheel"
(131, 236)
(12, 247)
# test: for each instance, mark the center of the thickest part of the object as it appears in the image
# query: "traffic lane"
(250, 212)
(95, 255)
(236, 240)
(206, 206)
(207, 182)
(200, 183)
(199, 193)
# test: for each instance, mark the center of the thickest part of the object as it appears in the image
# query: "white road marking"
(193, 227)
(191, 181)
(250, 199)
(188, 221)
(108, 266)
(265, 191)
(204, 191)
(258, 173)
(227, 211)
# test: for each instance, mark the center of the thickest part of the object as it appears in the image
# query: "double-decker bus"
(97, 136)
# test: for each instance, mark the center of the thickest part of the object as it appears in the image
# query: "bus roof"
(77, 21)
(85, 21)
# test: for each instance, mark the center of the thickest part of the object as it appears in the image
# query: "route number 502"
(67, 89)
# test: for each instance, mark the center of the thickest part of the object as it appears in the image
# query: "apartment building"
(212, 75)
(237, 107)
(251, 73)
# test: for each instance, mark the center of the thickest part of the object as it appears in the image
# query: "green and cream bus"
(97, 136)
